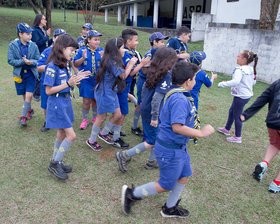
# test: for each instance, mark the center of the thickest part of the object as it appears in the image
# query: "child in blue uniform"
(130, 38)
(154, 89)
(156, 40)
(179, 43)
(109, 80)
(201, 77)
(88, 58)
(175, 130)
(23, 55)
(82, 39)
(60, 115)
(41, 64)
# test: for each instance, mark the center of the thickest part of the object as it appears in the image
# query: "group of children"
(168, 86)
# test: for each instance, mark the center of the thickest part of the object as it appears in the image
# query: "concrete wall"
(235, 12)
(223, 44)
(198, 25)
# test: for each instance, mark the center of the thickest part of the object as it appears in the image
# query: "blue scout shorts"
(150, 132)
(28, 84)
(86, 89)
(123, 99)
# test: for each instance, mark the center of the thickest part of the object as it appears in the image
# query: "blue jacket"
(15, 58)
(39, 38)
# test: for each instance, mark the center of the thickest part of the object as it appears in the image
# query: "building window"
(232, 0)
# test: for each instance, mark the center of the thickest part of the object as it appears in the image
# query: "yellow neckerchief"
(93, 67)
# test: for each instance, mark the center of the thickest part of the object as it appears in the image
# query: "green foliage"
(221, 189)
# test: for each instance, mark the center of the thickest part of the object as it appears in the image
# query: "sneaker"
(151, 165)
(44, 129)
(56, 169)
(37, 98)
(84, 124)
(121, 133)
(273, 187)
(127, 199)
(22, 121)
(260, 170)
(30, 114)
(122, 160)
(223, 131)
(93, 120)
(175, 211)
(94, 146)
(66, 169)
(137, 131)
(234, 139)
(119, 143)
(106, 138)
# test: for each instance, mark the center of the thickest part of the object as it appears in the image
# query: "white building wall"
(235, 12)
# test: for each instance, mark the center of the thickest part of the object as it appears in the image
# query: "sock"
(65, 145)
(266, 163)
(174, 195)
(136, 119)
(152, 156)
(145, 190)
(108, 127)
(94, 112)
(117, 132)
(56, 147)
(277, 182)
(136, 150)
(85, 114)
(26, 108)
(94, 132)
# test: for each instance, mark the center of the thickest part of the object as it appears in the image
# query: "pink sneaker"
(94, 119)
(234, 139)
(84, 124)
(223, 131)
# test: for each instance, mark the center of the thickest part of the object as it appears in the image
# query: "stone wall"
(222, 43)
(198, 25)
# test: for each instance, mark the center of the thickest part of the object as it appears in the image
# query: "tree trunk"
(269, 10)
(33, 6)
(41, 7)
(123, 13)
(48, 13)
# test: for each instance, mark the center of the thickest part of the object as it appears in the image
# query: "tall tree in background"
(39, 4)
(269, 10)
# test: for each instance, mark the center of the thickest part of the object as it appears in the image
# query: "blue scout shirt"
(43, 60)
(24, 52)
(111, 74)
(81, 41)
(201, 78)
(56, 76)
(177, 109)
(177, 45)
(148, 54)
(87, 64)
(162, 87)
(126, 58)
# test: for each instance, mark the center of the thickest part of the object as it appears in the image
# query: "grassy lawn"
(220, 191)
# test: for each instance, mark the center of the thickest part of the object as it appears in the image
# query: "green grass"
(221, 189)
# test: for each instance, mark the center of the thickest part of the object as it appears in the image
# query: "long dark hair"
(111, 55)
(56, 54)
(251, 56)
(37, 19)
(162, 62)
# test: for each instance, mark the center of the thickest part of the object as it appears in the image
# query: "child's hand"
(83, 74)
(184, 55)
(207, 130)
(85, 54)
(101, 53)
(26, 61)
(242, 118)
(146, 61)
(214, 76)
(154, 123)
(133, 61)
(221, 84)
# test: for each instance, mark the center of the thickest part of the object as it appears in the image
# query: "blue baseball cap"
(197, 57)
(157, 35)
(88, 26)
(93, 33)
(59, 32)
(24, 28)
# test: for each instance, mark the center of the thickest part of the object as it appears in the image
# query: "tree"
(39, 4)
(269, 10)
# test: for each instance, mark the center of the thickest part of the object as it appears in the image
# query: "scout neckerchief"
(45, 34)
(72, 89)
(183, 44)
(188, 95)
(93, 68)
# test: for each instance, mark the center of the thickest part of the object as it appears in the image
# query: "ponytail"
(250, 56)
(256, 58)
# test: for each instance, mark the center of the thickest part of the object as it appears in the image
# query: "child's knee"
(182, 180)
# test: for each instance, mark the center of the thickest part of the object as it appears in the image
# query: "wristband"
(68, 84)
